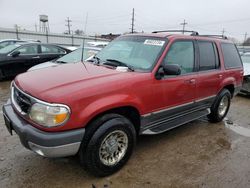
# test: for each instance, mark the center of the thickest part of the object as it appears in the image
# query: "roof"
(194, 35)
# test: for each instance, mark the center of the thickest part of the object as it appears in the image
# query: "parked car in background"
(99, 44)
(19, 57)
(72, 57)
(243, 49)
(245, 57)
(7, 42)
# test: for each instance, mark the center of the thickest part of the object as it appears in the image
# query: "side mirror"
(172, 69)
(15, 54)
(168, 69)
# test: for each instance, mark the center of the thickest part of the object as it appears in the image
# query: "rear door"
(210, 75)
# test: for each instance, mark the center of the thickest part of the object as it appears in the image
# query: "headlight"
(49, 116)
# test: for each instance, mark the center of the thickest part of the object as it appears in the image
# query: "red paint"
(98, 89)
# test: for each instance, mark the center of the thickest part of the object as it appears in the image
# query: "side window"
(208, 56)
(51, 50)
(28, 50)
(231, 56)
(181, 53)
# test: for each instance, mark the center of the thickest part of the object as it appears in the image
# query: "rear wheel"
(220, 106)
(110, 146)
(1, 74)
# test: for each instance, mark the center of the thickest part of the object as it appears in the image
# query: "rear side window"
(208, 56)
(52, 50)
(231, 56)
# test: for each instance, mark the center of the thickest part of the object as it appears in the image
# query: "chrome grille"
(21, 101)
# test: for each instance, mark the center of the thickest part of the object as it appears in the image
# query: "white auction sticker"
(154, 42)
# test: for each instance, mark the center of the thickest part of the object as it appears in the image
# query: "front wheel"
(110, 147)
(1, 74)
(220, 106)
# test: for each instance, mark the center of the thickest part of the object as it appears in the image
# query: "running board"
(175, 122)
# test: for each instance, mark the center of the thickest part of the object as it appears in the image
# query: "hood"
(43, 65)
(246, 69)
(54, 83)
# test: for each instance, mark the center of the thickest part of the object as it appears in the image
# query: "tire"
(1, 74)
(220, 106)
(115, 136)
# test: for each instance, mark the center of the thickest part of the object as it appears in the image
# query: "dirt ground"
(198, 154)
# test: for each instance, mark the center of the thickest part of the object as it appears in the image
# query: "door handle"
(191, 81)
(36, 57)
(220, 76)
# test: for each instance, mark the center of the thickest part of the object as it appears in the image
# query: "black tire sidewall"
(214, 116)
(91, 155)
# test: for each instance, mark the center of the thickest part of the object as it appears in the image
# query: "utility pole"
(245, 37)
(183, 26)
(223, 32)
(16, 27)
(133, 21)
(36, 27)
(68, 21)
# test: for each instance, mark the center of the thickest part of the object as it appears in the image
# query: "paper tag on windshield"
(154, 42)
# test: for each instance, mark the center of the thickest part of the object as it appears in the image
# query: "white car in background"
(73, 57)
(99, 44)
(245, 57)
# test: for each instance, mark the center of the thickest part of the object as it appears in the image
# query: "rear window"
(231, 56)
(208, 56)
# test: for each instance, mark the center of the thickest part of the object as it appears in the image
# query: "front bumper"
(48, 144)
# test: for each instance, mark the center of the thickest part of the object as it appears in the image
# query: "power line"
(183, 26)
(68, 21)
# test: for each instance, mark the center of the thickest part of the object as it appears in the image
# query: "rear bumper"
(59, 144)
(246, 85)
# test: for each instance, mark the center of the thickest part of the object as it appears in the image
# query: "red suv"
(138, 84)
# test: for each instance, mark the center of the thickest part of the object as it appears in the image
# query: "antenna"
(83, 41)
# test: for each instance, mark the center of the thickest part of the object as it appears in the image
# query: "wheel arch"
(128, 111)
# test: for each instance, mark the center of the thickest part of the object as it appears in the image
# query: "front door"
(177, 93)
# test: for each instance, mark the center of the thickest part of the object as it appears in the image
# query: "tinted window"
(231, 56)
(52, 50)
(28, 49)
(208, 57)
(181, 53)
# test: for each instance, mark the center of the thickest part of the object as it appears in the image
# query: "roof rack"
(215, 36)
(193, 33)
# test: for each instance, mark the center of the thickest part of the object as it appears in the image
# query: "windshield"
(139, 52)
(245, 58)
(9, 48)
(76, 55)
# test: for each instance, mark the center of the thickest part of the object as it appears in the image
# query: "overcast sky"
(114, 16)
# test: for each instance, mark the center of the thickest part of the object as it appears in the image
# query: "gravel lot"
(198, 154)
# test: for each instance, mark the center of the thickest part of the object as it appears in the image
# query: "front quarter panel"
(107, 103)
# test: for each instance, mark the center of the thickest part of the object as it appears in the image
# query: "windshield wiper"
(61, 62)
(115, 62)
(96, 60)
